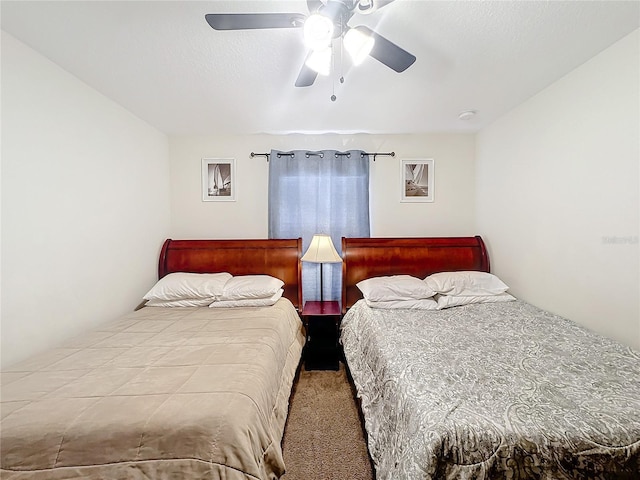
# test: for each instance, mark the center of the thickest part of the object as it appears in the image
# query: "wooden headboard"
(278, 258)
(377, 257)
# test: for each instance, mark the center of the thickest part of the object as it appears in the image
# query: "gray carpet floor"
(324, 438)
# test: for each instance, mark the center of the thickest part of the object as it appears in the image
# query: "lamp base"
(321, 286)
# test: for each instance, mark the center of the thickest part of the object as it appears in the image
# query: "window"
(319, 192)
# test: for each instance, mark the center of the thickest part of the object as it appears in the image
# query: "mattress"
(160, 393)
(493, 391)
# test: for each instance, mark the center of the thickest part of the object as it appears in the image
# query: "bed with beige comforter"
(188, 393)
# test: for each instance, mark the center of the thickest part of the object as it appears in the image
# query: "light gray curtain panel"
(319, 192)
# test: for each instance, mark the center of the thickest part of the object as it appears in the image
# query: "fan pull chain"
(342, 59)
(333, 67)
(333, 78)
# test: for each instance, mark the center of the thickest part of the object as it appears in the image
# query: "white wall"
(85, 204)
(557, 194)
(87, 195)
(452, 212)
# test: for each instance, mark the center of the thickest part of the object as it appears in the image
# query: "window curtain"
(323, 192)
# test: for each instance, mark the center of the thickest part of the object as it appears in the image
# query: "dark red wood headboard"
(377, 257)
(279, 258)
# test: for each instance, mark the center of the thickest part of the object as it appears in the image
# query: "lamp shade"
(321, 250)
(318, 31)
(359, 44)
(320, 61)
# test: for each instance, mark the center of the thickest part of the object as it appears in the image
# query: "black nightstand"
(322, 321)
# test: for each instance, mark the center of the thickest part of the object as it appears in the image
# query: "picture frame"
(417, 180)
(218, 180)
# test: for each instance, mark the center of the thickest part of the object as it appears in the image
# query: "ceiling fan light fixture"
(320, 61)
(318, 31)
(328, 20)
(359, 44)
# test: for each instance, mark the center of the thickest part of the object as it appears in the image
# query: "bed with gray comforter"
(493, 391)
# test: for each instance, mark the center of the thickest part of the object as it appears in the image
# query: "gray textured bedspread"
(493, 391)
(163, 393)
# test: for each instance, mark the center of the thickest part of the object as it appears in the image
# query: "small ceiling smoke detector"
(467, 115)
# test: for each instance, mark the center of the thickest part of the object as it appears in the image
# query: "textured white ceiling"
(162, 61)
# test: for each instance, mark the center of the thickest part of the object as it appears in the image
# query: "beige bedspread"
(161, 393)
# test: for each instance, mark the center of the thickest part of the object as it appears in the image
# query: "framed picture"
(417, 180)
(218, 180)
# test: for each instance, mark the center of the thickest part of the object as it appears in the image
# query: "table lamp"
(321, 250)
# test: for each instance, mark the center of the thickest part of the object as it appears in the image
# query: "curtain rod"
(320, 154)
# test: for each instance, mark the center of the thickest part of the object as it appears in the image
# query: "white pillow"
(465, 283)
(394, 287)
(413, 303)
(183, 285)
(245, 287)
(186, 302)
(446, 301)
(250, 302)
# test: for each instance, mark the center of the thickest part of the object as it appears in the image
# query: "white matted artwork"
(218, 180)
(417, 180)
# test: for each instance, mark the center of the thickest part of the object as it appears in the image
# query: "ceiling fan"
(327, 20)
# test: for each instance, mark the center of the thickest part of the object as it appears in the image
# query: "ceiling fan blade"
(381, 3)
(248, 21)
(389, 53)
(314, 5)
(307, 75)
